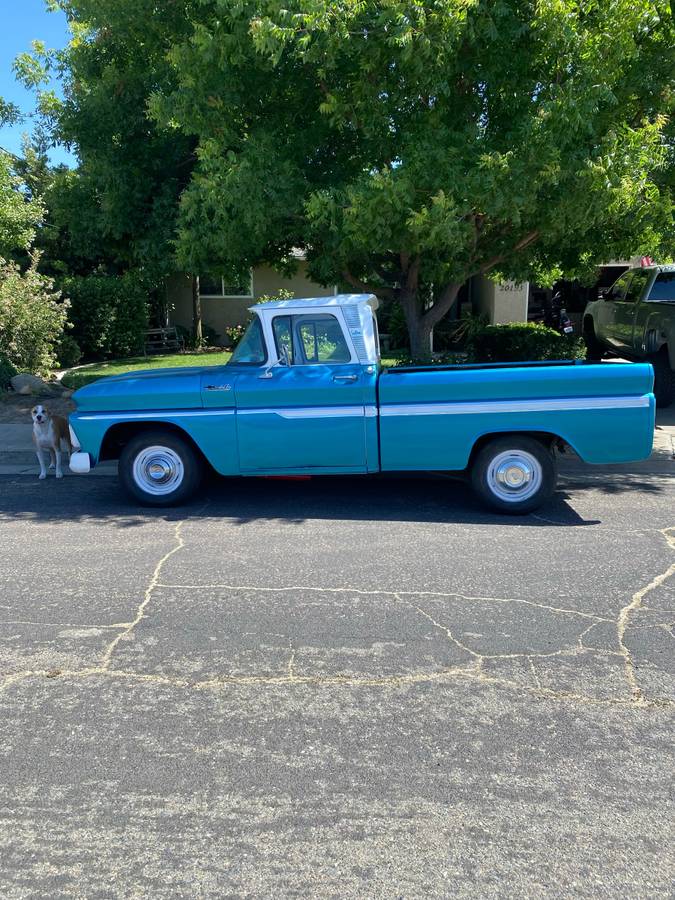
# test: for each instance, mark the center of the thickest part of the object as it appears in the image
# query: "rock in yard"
(31, 384)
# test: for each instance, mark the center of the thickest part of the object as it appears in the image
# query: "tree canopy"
(409, 145)
(404, 145)
(118, 210)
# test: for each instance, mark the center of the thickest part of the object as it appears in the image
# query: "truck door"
(308, 414)
(611, 307)
(625, 309)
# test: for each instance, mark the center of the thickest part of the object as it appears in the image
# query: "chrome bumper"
(80, 463)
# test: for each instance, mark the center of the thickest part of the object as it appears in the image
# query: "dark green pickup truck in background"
(635, 319)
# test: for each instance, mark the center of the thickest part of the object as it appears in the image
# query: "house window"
(216, 286)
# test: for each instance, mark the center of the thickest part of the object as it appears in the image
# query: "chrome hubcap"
(158, 470)
(514, 475)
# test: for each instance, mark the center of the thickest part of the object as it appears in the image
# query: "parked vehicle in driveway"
(304, 393)
(635, 319)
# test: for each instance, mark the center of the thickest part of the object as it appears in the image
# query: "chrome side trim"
(307, 412)
(301, 412)
(166, 414)
(514, 406)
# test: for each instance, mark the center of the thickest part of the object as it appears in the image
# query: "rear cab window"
(663, 288)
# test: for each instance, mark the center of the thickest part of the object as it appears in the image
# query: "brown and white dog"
(49, 432)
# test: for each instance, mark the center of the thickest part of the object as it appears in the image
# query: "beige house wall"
(505, 302)
(222, 312)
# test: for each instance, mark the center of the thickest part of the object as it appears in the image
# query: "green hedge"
(32, 319)
(7, 372)
(523, 342)
(109, 313)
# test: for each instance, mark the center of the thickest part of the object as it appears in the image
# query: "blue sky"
(22, 21)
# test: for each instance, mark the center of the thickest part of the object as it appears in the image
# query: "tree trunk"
(421, 338)
(196, 311)
(421, 323)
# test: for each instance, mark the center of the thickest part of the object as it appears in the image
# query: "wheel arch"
(548, 439)
(120, 433)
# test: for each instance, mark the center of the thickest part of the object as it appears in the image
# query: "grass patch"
(80, 377)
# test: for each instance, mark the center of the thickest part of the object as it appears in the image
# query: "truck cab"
(305, 380)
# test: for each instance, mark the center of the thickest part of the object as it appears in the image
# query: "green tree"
(20, 214)
(118, 210)
(408, 146)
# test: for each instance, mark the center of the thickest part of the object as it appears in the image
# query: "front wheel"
(514, 474)
(159, 469)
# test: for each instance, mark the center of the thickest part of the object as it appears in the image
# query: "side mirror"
(603, 293)
(282, 362)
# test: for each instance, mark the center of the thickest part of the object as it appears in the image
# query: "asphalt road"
(339, 688)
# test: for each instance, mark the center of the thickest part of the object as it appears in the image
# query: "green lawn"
(80, 377)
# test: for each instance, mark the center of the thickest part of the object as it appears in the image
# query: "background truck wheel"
(664, 379)
(159, 469)
(594, 349)
(514, 474)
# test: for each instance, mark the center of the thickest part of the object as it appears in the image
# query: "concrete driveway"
(338, 688)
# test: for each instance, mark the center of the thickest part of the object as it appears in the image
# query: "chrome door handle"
(345, 377)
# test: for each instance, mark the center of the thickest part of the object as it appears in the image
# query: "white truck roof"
(355, 311)
(313, 302)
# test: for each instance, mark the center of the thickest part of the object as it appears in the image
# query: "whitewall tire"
(514, 474)
(159, 468)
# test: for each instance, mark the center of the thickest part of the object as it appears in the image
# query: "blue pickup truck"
(304, 393)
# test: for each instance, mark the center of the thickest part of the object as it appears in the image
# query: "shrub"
(438, 359)
(68, 353)
(7, 372)
(209, 337)
(31, 319)
(523, 342)
(109, 313)
(233, 334)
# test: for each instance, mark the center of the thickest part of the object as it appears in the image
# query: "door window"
(620, 286)
(321, 340)
(637, 286)
(283, 338)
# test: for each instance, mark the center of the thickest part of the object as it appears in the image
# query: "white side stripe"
(404, 409)
(514, 406)
(165, 414)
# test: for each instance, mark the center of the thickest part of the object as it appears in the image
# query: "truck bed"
(432, 416)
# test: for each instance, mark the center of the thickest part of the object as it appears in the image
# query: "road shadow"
(427, 499)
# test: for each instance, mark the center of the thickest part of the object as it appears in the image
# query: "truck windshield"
(251, 348)
(664, 287)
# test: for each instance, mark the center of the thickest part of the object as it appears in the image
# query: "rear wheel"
(159, 469)
(664, 379)
(514, 474)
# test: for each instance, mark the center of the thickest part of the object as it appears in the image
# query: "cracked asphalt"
(337, 688)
